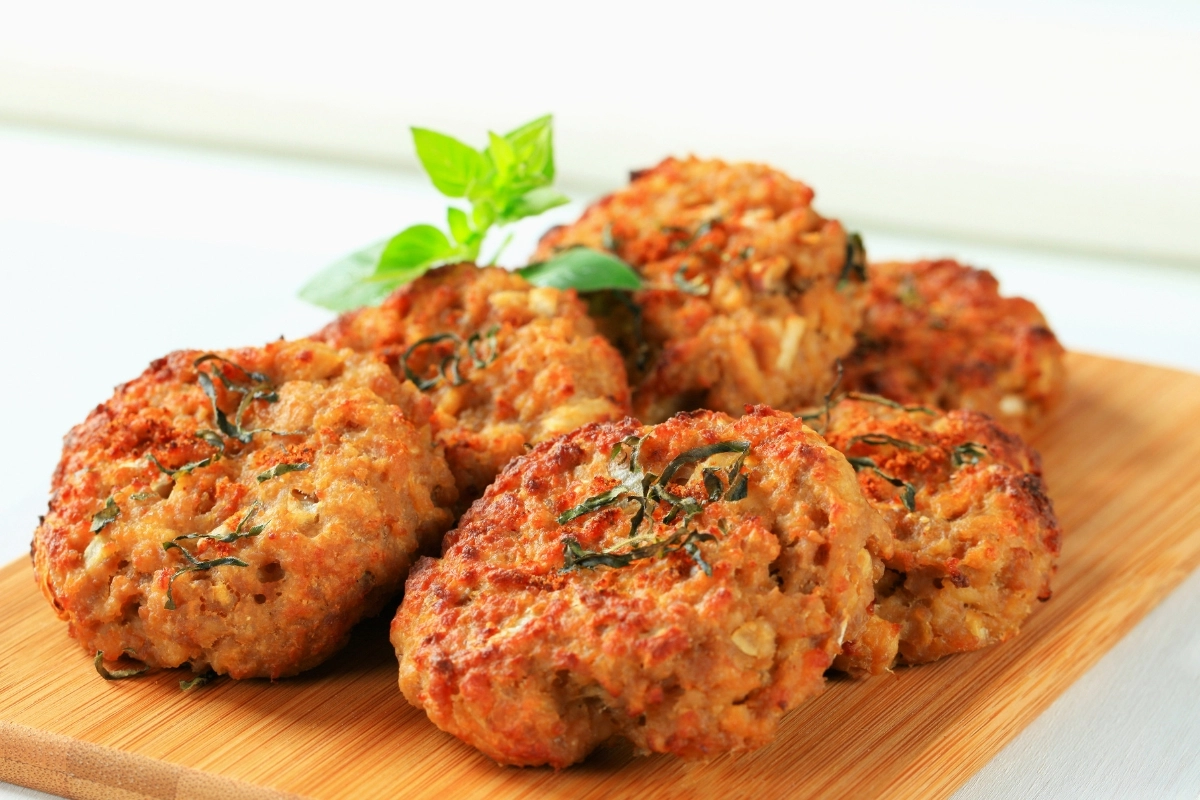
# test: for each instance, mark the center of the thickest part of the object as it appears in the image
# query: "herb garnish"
(198, 681)
(884, 401)
(255, 386)
(908, 492)
(646, 489)
(855, 266)
(481, 349)
(105, 516)
(211, 438)
(240, 532)
(116, 674)
(506, 181)
(575, 557)
(968, 453)
(196, 565)
(281, 469)
(878, 439)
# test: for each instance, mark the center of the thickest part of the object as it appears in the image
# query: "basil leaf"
(452, 166)
(460, 226)
(347, 284)
(500, 151)
(582, 269)
(535, 202)
(414, 247)
(533, 144)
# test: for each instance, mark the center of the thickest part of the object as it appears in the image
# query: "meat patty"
(974, 539)
(938, 333)
(681, 585)
(507, 364)
(751, 296)
(241, 512)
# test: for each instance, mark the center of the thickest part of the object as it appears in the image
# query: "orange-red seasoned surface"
(972, 548)
(751, 296)
(939, 333)
(555, 620)
(182, 531)
(535, 369)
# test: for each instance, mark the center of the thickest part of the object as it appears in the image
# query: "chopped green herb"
(880, 439)
(480, 349)
(116, 674)
(908, 493)
(827, 405)
(646, 490)
(855, 266)
(575, 557)
(257, 386)
(883, 401)
(967, 453)
(240, 532)
(281, 469)
(198, 681)
(105, 516)
(195, 565)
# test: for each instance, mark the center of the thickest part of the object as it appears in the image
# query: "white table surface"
(114, 253)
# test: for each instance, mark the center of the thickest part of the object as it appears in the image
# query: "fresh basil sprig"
(506, 181)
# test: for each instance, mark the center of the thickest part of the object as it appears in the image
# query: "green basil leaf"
(460, 225)
(346, 284)
(584, 270)
(533, 145)
(535, 202)
(500, 151)
(452, 166)
(415, 246)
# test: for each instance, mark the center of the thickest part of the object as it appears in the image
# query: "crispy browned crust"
(968, 565)
(938, 333)
(775, 314)
(536, 665)
(339, 536)
(553, 372)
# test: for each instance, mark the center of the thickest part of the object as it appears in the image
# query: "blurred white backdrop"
(1061, 123)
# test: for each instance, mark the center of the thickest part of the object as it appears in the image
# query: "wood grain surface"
(1122, 459)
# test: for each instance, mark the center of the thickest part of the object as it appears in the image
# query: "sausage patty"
(241, 511)
(938, 333)
(750, 295)
(681, 585)
(507, 364)
(974, 538)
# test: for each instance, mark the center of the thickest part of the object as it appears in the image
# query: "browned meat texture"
(977, 549)
(938, 333)
(269, 549)
(751, 296)
(551, 372)
(535, 641)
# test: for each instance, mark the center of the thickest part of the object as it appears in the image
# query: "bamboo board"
(1122, 460)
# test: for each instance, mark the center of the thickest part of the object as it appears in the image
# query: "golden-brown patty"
(535, 640)
(974, 539)
(246, 542)
(751, 296)
(938, 333)
(525, 363)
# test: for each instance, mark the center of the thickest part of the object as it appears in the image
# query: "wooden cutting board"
(1122, 459)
